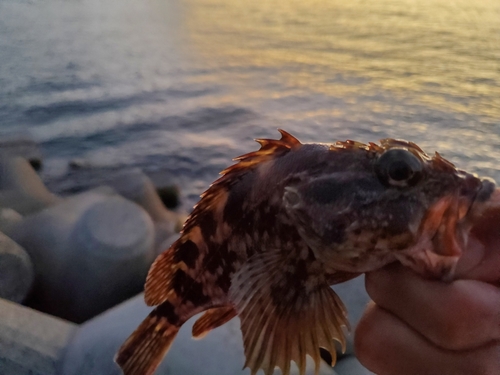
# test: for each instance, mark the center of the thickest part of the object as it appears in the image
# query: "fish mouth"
(447, 229)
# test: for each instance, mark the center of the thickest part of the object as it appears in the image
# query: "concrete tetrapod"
(113, 251)
(16, 271)
(90, 252)
(20, 187)
(133, 184)
(31, 343)
(219, 353)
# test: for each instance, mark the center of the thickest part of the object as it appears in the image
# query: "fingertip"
(471, 258)
(386, 345)
(374, 338)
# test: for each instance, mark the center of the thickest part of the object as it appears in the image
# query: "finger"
(471, 259)
(387, 346)
(460, 315)
(481, 259)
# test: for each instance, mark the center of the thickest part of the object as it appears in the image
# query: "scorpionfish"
(269, 238)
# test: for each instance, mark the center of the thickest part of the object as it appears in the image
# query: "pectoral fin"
(287, 311)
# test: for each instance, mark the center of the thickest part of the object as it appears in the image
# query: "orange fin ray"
(288, 138)
(157, 288)
(268, 147)
(285, 318)
(286, 141)
(181, 258)
(145, 348)
(269, 150)
(212, 319)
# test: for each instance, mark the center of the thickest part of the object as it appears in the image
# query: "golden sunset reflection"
(443, 53)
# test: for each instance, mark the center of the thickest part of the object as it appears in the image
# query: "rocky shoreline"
(68, 264)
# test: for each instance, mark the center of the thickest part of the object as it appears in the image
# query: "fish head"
(374, 204)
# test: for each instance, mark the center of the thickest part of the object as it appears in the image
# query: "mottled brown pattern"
(166, 310)
(282, 224)
(188, 253)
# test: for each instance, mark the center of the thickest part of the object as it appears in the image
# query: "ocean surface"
(180, 87)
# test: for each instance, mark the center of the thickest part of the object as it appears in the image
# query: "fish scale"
(270, 236)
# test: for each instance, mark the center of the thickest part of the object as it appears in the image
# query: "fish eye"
(399, 167)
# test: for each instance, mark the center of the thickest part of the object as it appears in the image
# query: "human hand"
(418, 326)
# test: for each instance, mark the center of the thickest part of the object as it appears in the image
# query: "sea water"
(179, 87)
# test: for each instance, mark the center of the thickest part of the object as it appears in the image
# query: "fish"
(269, 237)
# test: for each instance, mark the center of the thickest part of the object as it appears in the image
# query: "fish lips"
(447, 227)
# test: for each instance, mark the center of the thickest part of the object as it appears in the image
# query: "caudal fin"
(145, 348)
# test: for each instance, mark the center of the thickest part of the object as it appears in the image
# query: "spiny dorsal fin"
(185, 254)
(373, 147)
(392, 142)
(285, 316)
(269, 149)
(175, 267)
(159, 280)
(289, 139)
(442, 163)
(202, 230)
(349, 145)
